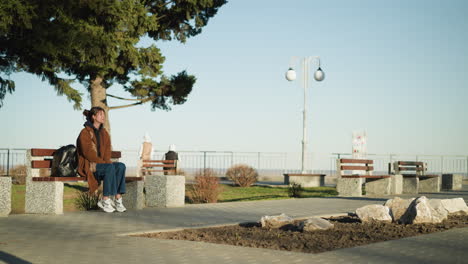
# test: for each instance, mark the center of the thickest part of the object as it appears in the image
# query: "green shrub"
(242, 175)
(295, 190)
(88, 201)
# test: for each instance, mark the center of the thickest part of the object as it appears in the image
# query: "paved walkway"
(97, 237)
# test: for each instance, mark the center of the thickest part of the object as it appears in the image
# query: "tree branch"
(141, 101)
(121, 98)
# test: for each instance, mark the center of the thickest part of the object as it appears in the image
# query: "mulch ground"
(348, 232)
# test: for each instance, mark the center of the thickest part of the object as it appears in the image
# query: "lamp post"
(319, 75)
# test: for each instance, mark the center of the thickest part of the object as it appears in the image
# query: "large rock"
(420, 211)
(315, 223)
(455, 206)
(275, 221)
(374, 212)
(398, 207)
(439, 207)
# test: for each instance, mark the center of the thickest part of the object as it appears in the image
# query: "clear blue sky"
(396, 69)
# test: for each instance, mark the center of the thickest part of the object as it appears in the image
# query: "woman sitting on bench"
(94, 161)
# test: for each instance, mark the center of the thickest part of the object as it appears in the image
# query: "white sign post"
(359, 144)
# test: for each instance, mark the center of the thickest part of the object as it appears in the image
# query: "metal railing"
(266, 163)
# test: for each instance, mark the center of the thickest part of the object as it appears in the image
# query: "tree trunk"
(98, 98)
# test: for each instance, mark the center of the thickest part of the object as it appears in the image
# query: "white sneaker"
(106, 205)
(118, 205)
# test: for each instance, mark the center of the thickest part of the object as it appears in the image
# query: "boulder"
(421, 211)
(275, 221)
(398, 207)
(374, 212)
(439, 207)
(315, 223)
(455, 206)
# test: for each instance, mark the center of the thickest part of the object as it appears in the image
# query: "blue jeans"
(113, 175)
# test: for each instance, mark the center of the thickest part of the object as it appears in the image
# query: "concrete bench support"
(43, 197)
(349, 186)
(378, 186)
(396, 184)
(452, 182)
(429, 184)
(5, 196)
(165, 190)
(134, 198)
(410, 185)
(305, 180)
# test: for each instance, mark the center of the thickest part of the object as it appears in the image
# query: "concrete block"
(43, 197)
(305, 180)
(134, 198)
(452, 182)
(378, 186)
(165, 190)
(349, 187)
(5, 196)
(396, 184)
(410, 185)
(430, 184)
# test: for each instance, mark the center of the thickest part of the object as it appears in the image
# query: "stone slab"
(429, 184)
(5, 196)
(349, 187)
(165, 190)
(305, 180)
(134, 198)
(43, 197)
(396, 184)
(378, 186)
(410, 185)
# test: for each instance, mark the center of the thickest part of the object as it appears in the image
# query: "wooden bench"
(305, 180)
(417, 180)
(353, 173)
(146, 167)
(44, 195)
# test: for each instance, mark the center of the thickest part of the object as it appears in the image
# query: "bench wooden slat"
(158, 165)
(40, 164)
(161, 161)
(62, 179)
(146, 170)
(299, 174)
(410, 169)
(356, 161)
(69, 179)
(411, 163)
(35, 152)
(364, 168)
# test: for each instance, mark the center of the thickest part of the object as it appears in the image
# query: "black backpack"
(65, 162)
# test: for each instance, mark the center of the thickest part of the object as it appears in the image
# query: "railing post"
(204, 160)
(258, 166)
(466, 167)
(8, 163)
(441, 164)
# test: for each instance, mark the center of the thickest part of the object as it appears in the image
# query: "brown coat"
(87, 154)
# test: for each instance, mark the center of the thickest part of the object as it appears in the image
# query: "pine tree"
(94, 42)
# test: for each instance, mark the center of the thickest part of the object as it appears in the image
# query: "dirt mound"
(348, 232)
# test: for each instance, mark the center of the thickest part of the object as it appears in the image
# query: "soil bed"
(348, 232)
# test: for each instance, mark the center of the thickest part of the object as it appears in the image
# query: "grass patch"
(254, 193)
(17, 198)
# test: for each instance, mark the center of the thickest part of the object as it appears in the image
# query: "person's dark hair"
(93, 111)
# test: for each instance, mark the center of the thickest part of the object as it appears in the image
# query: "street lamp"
(319, 75)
